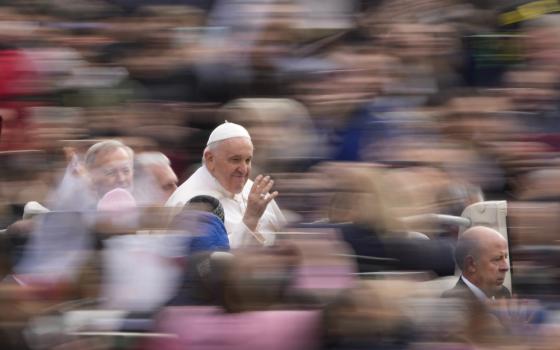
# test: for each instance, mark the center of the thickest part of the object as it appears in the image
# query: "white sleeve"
(272, 221)
(239, 235)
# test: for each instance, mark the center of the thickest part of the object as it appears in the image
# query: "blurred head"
(541, 40)
(206, 203)
(532, 90)
(158, 166)
(482, 255)
(359, 197)
(229, 161)
(109, 165)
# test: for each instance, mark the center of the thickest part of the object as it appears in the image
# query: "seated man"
(482, 256)
(251, 214)
(105, 166)
(59, 242)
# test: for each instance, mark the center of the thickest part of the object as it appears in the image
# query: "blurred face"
(112, 169)
(533, 90)
(492, 265)
(166, 179)
(230, 163)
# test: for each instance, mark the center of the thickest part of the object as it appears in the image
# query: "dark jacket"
(461, 290)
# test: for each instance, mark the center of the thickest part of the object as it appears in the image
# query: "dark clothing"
(513, 320)
(363, 240)
(461, 290)
(406, 254)
(415, 254)
(365, 127)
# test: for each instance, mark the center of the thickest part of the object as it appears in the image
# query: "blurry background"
(363, 111)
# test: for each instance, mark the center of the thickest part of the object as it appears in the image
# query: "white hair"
(211, 147)
(104, 147)
(152, 158)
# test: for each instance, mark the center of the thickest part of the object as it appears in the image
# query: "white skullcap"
(227, 131)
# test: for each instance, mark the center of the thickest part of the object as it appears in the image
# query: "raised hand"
(259, 197)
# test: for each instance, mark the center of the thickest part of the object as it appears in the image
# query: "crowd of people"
(279, 174)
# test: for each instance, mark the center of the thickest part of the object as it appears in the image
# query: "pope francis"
(251, 214)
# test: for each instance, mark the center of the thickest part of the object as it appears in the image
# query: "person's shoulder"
(193, 186)
(178, 197)
(460, 290)
(454, 293)
(200, 174)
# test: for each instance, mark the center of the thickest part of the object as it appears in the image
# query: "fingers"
(261, 182)
(271, 196)
(266, 188)
(256, 184)
(258, 180)
(262, 187)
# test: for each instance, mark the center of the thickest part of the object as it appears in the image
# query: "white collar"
(480, 295)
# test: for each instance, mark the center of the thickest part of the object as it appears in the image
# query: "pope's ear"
(208, 158)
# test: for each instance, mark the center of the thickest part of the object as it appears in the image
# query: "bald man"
(482, 256)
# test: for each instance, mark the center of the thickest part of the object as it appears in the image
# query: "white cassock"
(203, 183)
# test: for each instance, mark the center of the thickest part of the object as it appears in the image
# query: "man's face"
(230, 163)
(166, 180)
(492, 264)
(112, 169)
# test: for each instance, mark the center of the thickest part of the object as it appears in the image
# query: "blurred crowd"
(370, 116)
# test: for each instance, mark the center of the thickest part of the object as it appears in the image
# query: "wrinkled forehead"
(112, 156)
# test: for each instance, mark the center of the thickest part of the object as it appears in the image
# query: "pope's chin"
(237, 183)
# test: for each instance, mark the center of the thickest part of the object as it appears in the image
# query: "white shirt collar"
(480, 295)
